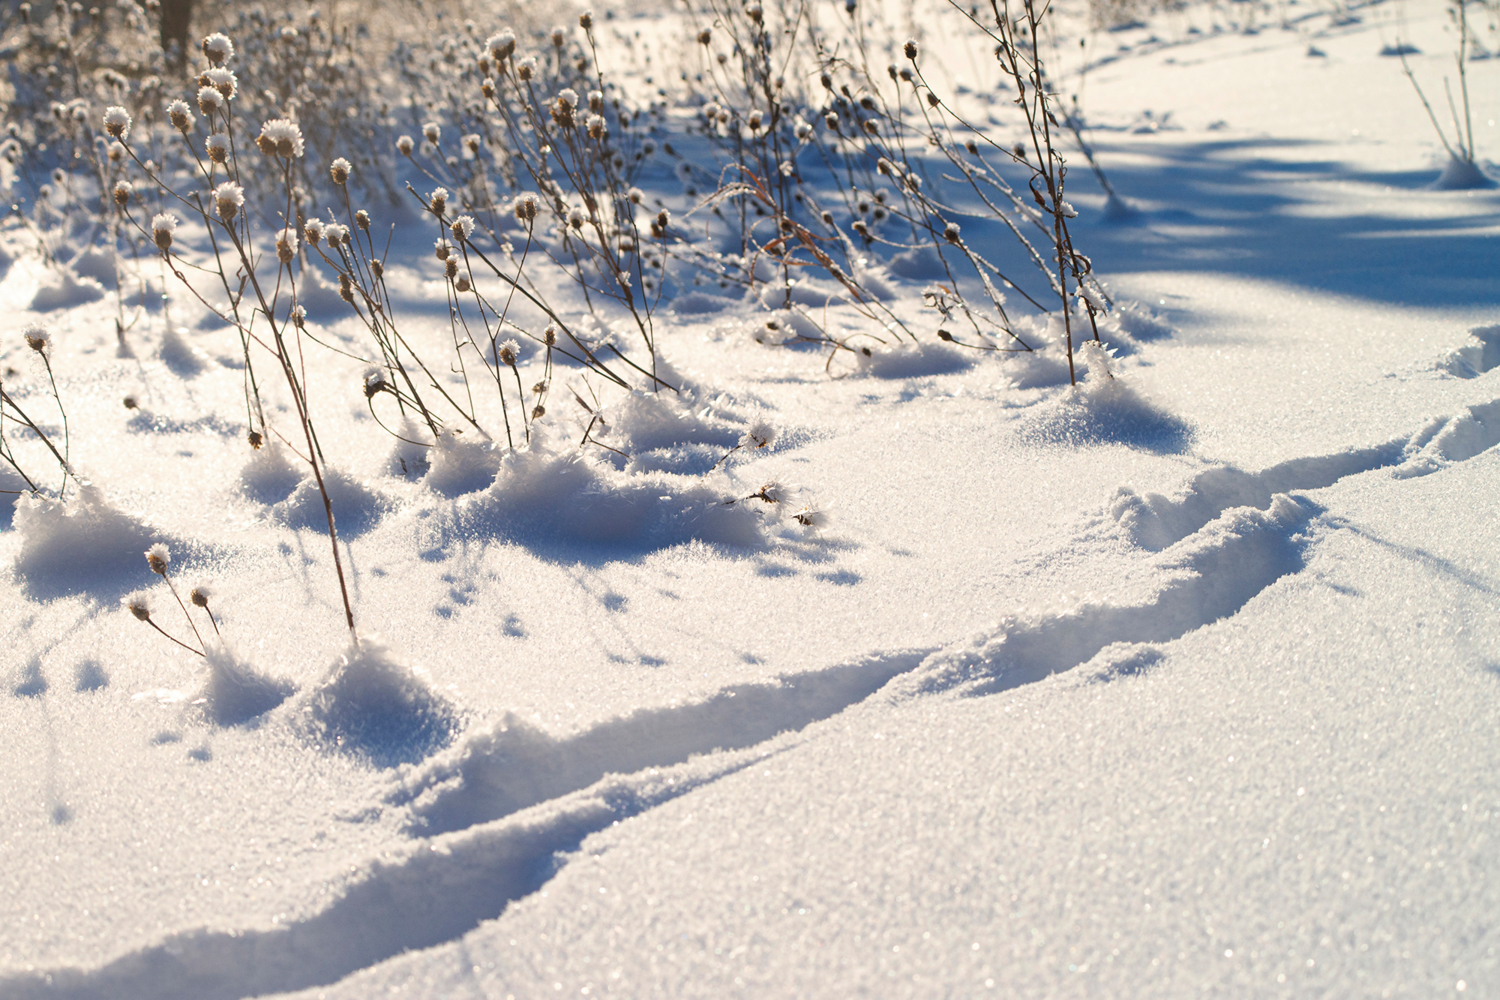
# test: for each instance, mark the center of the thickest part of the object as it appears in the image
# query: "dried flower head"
(471, 143)
(812, 515)
(450, 267)
(139, 605)
(375, 382)
(312, 231)
(229, 197)
(362, 220)
(525, 208)
(462, 284)
(596, 101)
(286, 245)
(280, 137)
(163, 226)
(910, 49)
(559, 37)
(586, 20)
(181, 116)
(487, 88)
(754, 12)
(564, 106)
(123, 191)
(950, 232)
(37, 337)
(760, 435)
(339, 170)
(116, 122)
(596, 128)
(336, 233)
(501, 45)
(462, 227)
(432, 133)
(441, 249)
(526, 69)
(200, 595)
(209, 100)
(404, 145)
(509, 352)
(157, 557)
(437, 202)
(549, 336)
(218, 49)
(576, 217)
(116, 152)
(218, 147)
(222, 80)
(705, 36)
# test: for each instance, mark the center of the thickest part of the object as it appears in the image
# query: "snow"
(1182, 681)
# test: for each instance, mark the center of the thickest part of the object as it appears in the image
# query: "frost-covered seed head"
(432, 133)
(123, 191)
(871, 128)
(181, 116)
(754, 12)
(576, 217)
(538, 412)
(564, 106)
(596, 101)
(362, 220)
(163, 226)
(440, 250)
(336, 233)
(437, 202)
(116, 152)
(462, 228)
(312, 231)
(774, 492)
(339, 170)
(286, 245)
(596, 128)
(218, 148)
(404, 145)
(910, 49)
(346, 288)
(526, 69)
(37, 338)
(502, 45)
(760, 435)
(375, 382)
(525, 208)
(950, 232)
(471, 143)
(450, 267)
(280, 137)
(229, 197)
(200, 595)
(157, 557)
(705, 36)
(116, 122)
(664, 218)
(884, 166)
(487, 88)
(509, 351)
(559, 37)
(812, 516)
(377, 269)
(803, 130)
(462, 284)
(549, 336)
(636, 196)
(139, 605)
(222, 80)
(831, 120)
(209, 100)
(586, 20)
(218, 49)
(754, 120)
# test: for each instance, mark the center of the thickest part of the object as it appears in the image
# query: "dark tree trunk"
(175, 17)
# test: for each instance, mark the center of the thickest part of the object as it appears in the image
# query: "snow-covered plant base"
(812, 672)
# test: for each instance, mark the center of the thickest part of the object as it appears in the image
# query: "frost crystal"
(760, 435)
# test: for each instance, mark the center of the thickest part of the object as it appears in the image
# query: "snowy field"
(1181, 682)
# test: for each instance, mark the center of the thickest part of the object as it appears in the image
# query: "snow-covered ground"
(1185, 683)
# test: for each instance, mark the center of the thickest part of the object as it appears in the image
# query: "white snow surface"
(1182, 683)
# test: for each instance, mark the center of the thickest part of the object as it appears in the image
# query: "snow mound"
(372, 704)
(915, 361)
(1107, 409)
(1447, 440)
(356, 507)
(697, 303)
(460, 465)
(234, 691)
(550, 495)
(1462, 175)
(79, 544)
(181, 357)
(66, 291)
(269, 476)
(917, 264)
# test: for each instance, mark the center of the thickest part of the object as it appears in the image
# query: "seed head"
(870, 127)
(37, 338)
(462, 284)
(526, 69)
(549, 336)
(404, 145)
(950, 232)
(340, 170)
(754, 12)
(116, 122)
(471, 143)
(462, 227)
(139, 605)
(286, 245)
(123, 191)
(437, 202)
(450, 267)
(200, 595)
(559, 37)
(538, 412)
(218, 49)
(564, 106)
(831, 120)
(596, 102)
(705, 36)
(346, 288)
(181, 116)
(525, 208)
(586, 20)
(487, 88)
(229, 197)
(910, 49)
(218, 147)
(502, 45)
(576, 217)
(508, 353)
(596, 128)
(312, 231)
(116, 152)
(222, 80)
(760, 435)
(375, 382)
(209, 100)
(157, 557)
(362, 220)
(280, 137)
(336, 233)
(163, 226)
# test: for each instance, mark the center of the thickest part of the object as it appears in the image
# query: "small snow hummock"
(373, 704)
(77, 544)
(234, 691)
